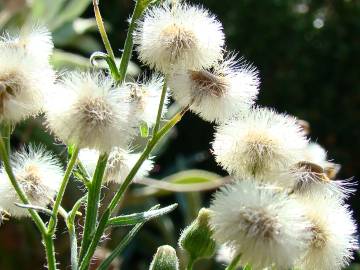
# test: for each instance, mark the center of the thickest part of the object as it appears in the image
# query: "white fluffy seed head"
(315, 153)
(314, 175)
(266, 227)
(120, 163)
(333, 235)
(33, 40)
(225, 254)
(259, 144)
(179, 36)
(218, 93)
(310, 179)
(39, 175)
(86, 110)
(24, 76)
(144, 98)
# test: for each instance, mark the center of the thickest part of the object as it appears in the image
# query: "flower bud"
(197, 238)
(165, 259)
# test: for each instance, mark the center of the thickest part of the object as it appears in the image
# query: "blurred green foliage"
(307, 52)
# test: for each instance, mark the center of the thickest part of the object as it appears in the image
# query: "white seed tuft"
(266, 227)
(88, 111)
(119, 164)
(39, 175)
(179, 36)
(144, 98)
(219, 93)
(333, 235)
(259, 144)
(25, 74)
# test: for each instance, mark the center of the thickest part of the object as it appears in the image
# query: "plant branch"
(161, 107)
(92, 206)
(60, 195)
(140, 7)
(50, 251)
(102, 30)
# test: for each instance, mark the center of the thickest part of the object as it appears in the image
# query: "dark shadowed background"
(308, 55)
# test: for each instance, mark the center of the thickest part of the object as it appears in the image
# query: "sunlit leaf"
(127, 220)
(72, 10)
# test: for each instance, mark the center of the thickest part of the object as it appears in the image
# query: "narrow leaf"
(127, 220)
(125, 241)
(144, 130)
(36, 208)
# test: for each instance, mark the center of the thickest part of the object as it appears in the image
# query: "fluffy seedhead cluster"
(263, 215)
(284, 209)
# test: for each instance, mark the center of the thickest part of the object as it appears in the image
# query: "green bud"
(165, 259)
(197, 238)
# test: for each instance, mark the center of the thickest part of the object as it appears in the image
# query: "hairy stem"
(102, 30)
(73, 247)
(92, 206)
(60, 195)
(161, 106)
(110, 53)
(50, 251)
(140, 7)
(124, 242)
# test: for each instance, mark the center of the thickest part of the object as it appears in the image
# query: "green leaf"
(72, 10)
(65, 60)
(35, 208)
(127, 220)
(185, 181)
(247, 267)
(69, 32)
(72, 213)
(104, 57)
(144, 130)
(192, 177)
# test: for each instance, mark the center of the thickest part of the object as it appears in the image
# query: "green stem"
(102, 30)
(110, 53)
(190, 264)
(50, 251)
(140, 7)
(7, 130)
(60, 195)
(124, 242)
(92, 206)
(233, 264)
(73, 247)
(70, 220)
(119, 194)
(160, 109)
(95, 241)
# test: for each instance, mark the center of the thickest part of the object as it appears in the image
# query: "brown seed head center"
(30, 181)
(96, 112)
(256, 222)
(209, 83)
(177, 40)
(319, 237)
(9, 87)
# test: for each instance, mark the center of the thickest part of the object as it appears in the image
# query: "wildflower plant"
(282, 208)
